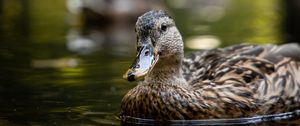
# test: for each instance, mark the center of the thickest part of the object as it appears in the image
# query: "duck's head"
(158, 40)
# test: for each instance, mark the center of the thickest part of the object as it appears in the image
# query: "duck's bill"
(145, 60)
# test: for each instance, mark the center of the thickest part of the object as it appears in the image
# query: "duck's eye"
(163, 27)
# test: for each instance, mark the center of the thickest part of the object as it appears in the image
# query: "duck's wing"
(280, 89)
(202, 64)
(248, 75)
(197, 66)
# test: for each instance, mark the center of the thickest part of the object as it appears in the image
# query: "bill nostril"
(130, 76)
(137, 66)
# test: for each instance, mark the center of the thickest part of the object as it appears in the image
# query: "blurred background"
(61, 61)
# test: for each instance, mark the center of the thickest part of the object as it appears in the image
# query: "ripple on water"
(233, 121)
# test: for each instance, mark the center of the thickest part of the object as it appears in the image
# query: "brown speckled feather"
(238, 81)
(265, 76)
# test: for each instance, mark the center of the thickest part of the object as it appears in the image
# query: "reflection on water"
(257, 120)
(62, 94)
(46, 80)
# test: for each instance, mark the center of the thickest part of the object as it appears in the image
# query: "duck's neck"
(167, 71)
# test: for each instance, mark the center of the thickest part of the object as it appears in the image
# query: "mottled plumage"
(237, 81)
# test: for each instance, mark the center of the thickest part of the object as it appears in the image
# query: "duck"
(237, 81)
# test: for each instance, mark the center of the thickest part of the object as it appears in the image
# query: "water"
(256, 120)
(89, 93)
(45, 80)
(67, 95)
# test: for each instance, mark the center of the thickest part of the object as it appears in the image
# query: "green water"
(87, 94)
(44, 83)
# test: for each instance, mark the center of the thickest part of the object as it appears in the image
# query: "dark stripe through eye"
(153, 41)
